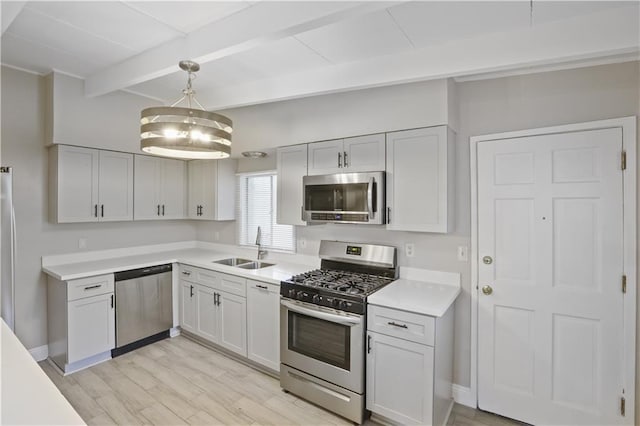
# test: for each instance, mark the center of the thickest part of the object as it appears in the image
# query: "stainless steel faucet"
(261, 253)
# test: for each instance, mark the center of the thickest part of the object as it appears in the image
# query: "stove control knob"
(315, 298)
(292, 293)
(342, 304)
(302, 295)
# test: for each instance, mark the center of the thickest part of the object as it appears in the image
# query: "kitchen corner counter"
(199, 257)
(421, 292)
(28, 395)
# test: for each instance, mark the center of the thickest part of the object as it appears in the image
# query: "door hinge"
(622, 406)
(624, 283)
(623, 160)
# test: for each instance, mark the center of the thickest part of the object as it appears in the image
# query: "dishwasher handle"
(142, 272)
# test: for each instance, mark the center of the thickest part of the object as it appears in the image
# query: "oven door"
(321, 342)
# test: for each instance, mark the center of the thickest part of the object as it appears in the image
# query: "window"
(257, 195)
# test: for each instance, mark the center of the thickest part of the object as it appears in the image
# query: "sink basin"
(233, 261)
(255, 265)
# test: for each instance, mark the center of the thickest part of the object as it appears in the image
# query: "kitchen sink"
(255, 265)
(234, 261)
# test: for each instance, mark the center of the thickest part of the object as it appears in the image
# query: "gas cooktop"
(353, 283)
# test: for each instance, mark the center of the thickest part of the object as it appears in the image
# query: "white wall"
(23, 147)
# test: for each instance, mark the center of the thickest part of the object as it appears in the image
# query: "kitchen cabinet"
(212, 313)
(212, 189)
(356, 154)
(292, 167)
(421, 180)
(160, 186)
(90, 185)
(409, 366)
(263, 323)
(81, 321)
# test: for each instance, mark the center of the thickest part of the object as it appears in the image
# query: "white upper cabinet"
(420, 180)
(212, 189)
(160, 188)
(357, 154)
(292, 166)
(90, 185)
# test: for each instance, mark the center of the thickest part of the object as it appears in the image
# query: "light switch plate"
(409, 249)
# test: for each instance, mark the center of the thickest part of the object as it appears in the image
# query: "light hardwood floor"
(177, 381)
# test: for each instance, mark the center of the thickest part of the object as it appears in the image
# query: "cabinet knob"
(487, 290)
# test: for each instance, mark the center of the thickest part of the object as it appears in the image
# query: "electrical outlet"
(463, 253)
(303, 243)
(82, 243)
(409, 249)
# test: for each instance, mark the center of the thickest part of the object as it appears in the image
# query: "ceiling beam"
(9, 10)
(261, 23)
(607, 34)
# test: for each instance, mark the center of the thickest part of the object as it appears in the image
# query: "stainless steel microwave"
(344, 198)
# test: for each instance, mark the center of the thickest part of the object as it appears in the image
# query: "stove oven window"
(319, 339)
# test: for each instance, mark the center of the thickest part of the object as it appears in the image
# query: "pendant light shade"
(185, 132)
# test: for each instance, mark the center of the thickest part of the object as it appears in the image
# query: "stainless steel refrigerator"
(7, 247)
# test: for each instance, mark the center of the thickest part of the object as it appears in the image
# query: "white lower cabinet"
(409, 366)
(212, 314)
(263, 323)
(81, 321)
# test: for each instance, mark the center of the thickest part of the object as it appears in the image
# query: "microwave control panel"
(337, 217)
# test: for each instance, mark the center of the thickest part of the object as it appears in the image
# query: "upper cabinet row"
(419, 167)
(92, 185)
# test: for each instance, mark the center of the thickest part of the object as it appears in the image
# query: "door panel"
(116, 186)
(550, 334)
(232, 312)
(365, 153)
(78, 184)
(173, 189)
(146, 194)
(91, 327)
(206, 313)
(187, 311)
(323, 157)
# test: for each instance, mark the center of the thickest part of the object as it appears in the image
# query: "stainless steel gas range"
(323, 324)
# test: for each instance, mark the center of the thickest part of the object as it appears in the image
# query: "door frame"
(629, 138)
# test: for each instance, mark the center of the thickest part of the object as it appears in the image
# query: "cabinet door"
(420, 180)
(224, 190)
(364, 153)
(292, 166)
(91, 323)
(115, 186)
(263, 324)
(206, 313)
(325, 157)
(400, 379)
(232, 314)
(208, 175)
(77, 184)
(173, 185)
(146, 201)
(188, 306)
(195, 188)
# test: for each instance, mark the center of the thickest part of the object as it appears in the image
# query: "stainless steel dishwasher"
(144, 308)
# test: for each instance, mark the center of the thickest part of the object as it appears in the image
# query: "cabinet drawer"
(405, 325)
(208, 278)
(90, 286)
(187, 273)
(234, 285)
(259, 285)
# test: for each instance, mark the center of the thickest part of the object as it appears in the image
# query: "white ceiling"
(253, 52)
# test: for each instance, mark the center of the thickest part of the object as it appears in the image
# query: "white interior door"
(550, 335)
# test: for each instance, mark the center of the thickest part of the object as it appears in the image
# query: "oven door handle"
(339, 319)
(370, 198)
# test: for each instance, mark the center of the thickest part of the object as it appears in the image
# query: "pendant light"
(185, 132)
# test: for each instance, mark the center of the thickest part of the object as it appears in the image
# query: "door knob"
(486, 289)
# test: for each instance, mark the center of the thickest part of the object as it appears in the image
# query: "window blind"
(257, 204)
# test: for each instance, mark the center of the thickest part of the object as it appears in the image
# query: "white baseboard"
(40, 353)
(463, 395)
(174, 331)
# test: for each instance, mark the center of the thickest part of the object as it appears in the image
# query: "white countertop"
(200, 257)
(28, 395)
(430, 297)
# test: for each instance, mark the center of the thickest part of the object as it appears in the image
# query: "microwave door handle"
(370, 198)
(338, 319)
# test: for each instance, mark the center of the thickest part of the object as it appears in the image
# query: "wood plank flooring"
(177, 382)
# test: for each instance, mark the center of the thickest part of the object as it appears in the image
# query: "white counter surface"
(28, 395)
(420, 297)
(199, 257)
